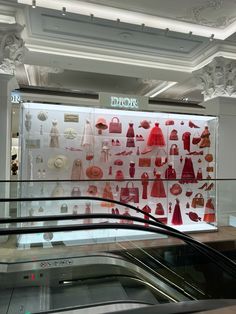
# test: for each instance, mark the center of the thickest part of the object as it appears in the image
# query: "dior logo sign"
(124, 102)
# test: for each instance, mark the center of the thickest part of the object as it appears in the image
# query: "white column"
(225, 109)
(11, 54)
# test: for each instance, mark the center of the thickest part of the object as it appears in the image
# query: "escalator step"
(107, 291)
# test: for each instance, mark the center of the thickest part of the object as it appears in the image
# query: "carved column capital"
(218, 78)
(11, 47)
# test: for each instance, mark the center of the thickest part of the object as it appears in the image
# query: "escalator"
(113, 277)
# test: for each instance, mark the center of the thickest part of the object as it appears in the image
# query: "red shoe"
(192, 125)
(146, 150)
(117, 211)
(118, 143)
(113, 143)
(211, 186)
(203, 186)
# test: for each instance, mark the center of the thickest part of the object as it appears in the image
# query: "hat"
(58, 162)
(101, 124)
(118, 162)
(70, 133)
(42, 116)
(94, 172)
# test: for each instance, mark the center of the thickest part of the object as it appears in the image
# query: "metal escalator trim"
(213, 254)
(133, 269)
(163, 266)
(145, 283)
(94, 305)
(178, 287)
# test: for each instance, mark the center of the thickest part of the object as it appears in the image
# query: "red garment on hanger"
(177, 217)
(156, 137)
(130, 131)
(144, 179)
(147, 210)
(186, 140)
(188, 175)
(170, 172)
(158, 189)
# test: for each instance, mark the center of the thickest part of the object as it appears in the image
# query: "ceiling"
(79, 52)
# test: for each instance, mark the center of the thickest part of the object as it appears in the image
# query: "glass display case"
(164, 164)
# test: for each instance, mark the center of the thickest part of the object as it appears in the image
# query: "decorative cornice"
(218, 78)
(11, 47)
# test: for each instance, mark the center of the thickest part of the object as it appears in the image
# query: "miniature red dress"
(147, 210)
(158, 189)
(186, 140)
(205, 138)
(170, 172)
(130, 131)
(188, 175)
(156, 137)
(177, 217)
(107, 193)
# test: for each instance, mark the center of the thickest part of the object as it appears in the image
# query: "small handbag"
(129, 194)
(209, 157)
(174, 135)
(174, 150)
(64, 209)
(169, 122)
(198, 201)
(209, 169)
(175, 189)
(119, 175)
(76, 191)
(159, 209)
(196, 139)
(160, 161)
(130, 142)
(188, 193)
(115, 126)
(144, 162)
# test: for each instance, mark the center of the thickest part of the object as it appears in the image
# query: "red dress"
(186, 140)
(188, 175)
(147, 210)
(205, 138)
(177, 217)
(158, 189)
(156, 137)
(130, 131)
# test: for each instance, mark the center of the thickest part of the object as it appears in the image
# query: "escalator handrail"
(214, 255)
(209, 251)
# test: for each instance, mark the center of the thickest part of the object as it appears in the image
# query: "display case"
(164, 164)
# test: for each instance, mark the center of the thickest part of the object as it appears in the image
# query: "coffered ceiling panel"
(103, 33)
(214, 13)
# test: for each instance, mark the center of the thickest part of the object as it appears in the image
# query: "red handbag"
(174, 135)
(159, 209)
(129, 194)
(119, 175)
(174, 150)
(115, 126)
(144, 162)
(196, 139)
(175, 189)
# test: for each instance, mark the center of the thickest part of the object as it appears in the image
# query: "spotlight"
(63, 11)
(142, 25)
(33, 4)
(190, 34)
(167, 31)
(212, 37)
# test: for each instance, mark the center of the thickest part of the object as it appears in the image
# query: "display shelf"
(78, 143)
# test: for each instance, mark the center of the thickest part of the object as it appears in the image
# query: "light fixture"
(63, 11)
(160, 89)
(33, 4)
(212, 37)
(142, 25)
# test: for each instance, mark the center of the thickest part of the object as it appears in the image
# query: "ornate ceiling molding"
(11, 47)
(218, 78)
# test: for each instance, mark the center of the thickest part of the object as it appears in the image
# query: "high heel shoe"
(117, 211)
(192, 125)
(211, 186)
(203, 186)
